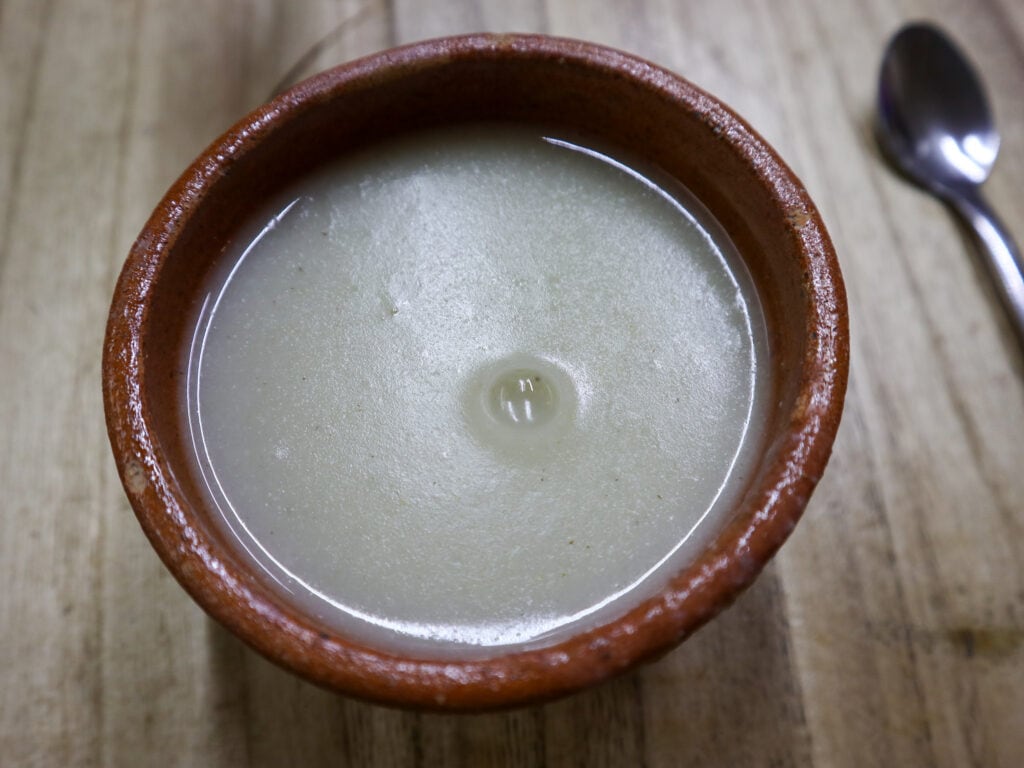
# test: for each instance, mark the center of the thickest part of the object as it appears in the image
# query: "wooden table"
(888, 632)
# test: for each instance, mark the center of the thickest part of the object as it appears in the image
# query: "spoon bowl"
(934, 120)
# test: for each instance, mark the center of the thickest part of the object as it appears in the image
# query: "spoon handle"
(1002, 255)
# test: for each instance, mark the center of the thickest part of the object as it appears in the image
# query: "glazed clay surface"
(681, 129)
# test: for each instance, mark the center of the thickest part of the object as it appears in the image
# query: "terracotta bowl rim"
(651, 629)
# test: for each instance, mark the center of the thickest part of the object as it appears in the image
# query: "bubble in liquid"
(522, 398)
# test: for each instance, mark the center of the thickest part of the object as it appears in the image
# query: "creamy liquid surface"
(475, 388)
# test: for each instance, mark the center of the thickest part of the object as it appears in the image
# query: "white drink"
(476, 388)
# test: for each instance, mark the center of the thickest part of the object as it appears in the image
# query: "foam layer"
(475, 388)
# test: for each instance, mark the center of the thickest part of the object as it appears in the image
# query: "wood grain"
(889, 631)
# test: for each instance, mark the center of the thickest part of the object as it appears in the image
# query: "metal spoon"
(934, 124)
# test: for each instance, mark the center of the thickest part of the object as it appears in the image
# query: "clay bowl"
(623, 101)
